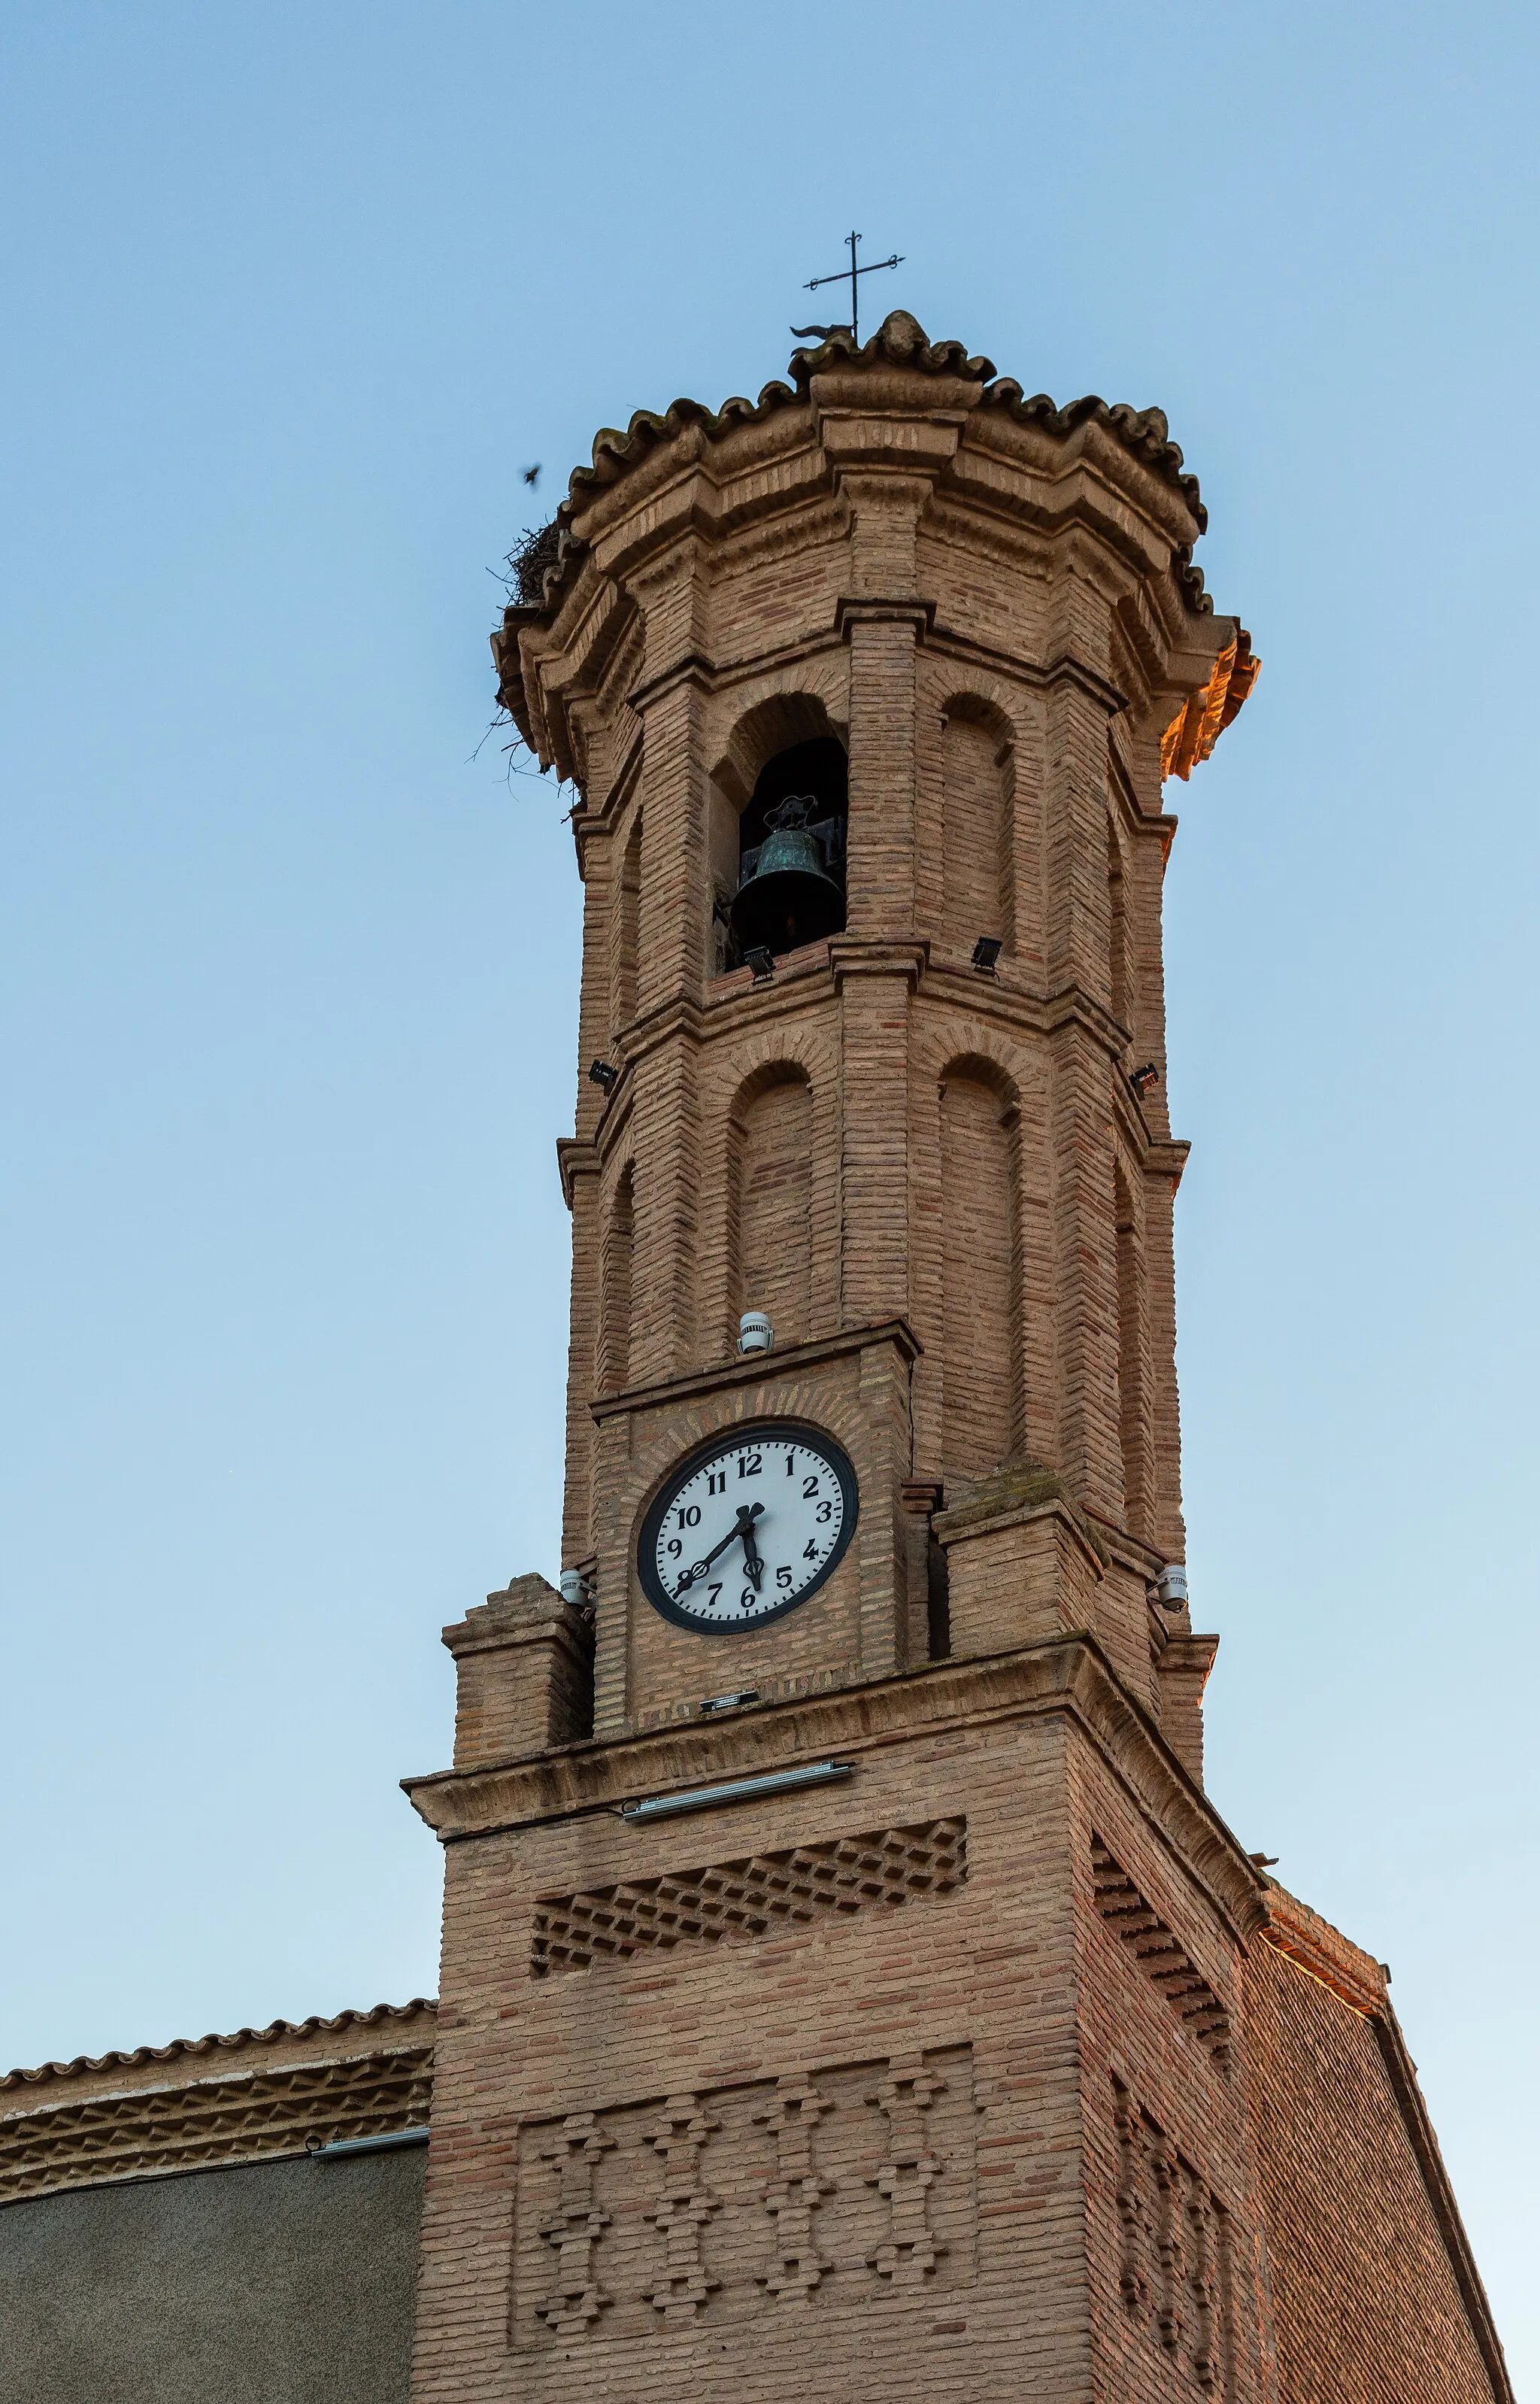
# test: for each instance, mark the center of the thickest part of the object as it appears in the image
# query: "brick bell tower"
(842, 1978)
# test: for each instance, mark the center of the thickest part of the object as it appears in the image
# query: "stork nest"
(529, 562)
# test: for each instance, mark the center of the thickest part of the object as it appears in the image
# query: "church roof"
(900, 341)
(182, 2048)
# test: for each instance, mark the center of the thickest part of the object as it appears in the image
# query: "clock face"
(747, 1528)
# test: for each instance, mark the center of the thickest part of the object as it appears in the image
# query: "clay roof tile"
(181, 2049)
(901, 342)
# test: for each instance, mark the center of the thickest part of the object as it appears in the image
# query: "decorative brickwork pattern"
(1176, 2267)
(743, 1899)
(1184, 1988)
(838, 2185)
(231, 2117)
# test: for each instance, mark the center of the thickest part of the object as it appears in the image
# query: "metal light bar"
(738, 1790)
(386, 2144)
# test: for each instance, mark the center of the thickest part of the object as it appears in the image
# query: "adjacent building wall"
(272, 2282)
(169, 2233)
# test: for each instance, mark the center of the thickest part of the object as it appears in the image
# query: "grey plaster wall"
(280, 2283)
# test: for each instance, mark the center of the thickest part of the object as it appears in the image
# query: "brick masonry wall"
(856, 1625)
(1369, 2307)
(877, 562)
(973, 1990)
(703, 2124)
(1180, 2303)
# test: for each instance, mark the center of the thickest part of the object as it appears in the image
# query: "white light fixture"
(755, 1333)
(1171, 1588)
(737, 1790)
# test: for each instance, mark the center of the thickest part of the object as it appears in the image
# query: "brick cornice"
(1129, 1551)
(1072, 1005)
(1010, 1497)
(919, 614)
(692, 668)
(1167, 1156)
(1352, 1976)
(1063, 668)
(760, 1366)
(878, 956)
(911, 958)
(261, 2112)
(575, 1158)
(1069, 1675)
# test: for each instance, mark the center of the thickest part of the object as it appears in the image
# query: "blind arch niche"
(981, 1398)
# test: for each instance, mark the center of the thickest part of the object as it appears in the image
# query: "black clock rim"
(816, 1439)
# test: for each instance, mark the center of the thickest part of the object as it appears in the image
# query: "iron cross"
(873, 267)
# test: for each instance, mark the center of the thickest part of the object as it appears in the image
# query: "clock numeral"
(826, 1511)
(691, 1516)
(783, 1575)
(748, 1599)
(711, 1593)
(810, 1550)
(750, 1465)
(716, 1481)
(675, 1548)
(810, 1488)
(791, 1463)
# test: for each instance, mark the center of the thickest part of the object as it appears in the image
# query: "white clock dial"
(747, 1528)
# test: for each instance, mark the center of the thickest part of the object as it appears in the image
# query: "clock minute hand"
(754, 1568)
(747, 1514)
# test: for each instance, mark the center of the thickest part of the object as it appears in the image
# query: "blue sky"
(289, 967)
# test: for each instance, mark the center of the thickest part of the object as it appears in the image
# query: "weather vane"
(873, 268)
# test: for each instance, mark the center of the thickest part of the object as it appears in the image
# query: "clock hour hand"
(747, 1514)
(754, 1568)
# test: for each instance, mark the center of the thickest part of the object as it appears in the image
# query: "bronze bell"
(789, 896)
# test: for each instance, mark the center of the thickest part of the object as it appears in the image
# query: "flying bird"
(532, 475)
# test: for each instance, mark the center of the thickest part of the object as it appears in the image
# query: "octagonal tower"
(947, 1185)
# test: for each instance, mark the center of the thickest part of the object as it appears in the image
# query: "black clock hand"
(747, 1514)
(754, 1568)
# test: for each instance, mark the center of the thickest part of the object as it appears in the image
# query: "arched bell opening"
(791, 851)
